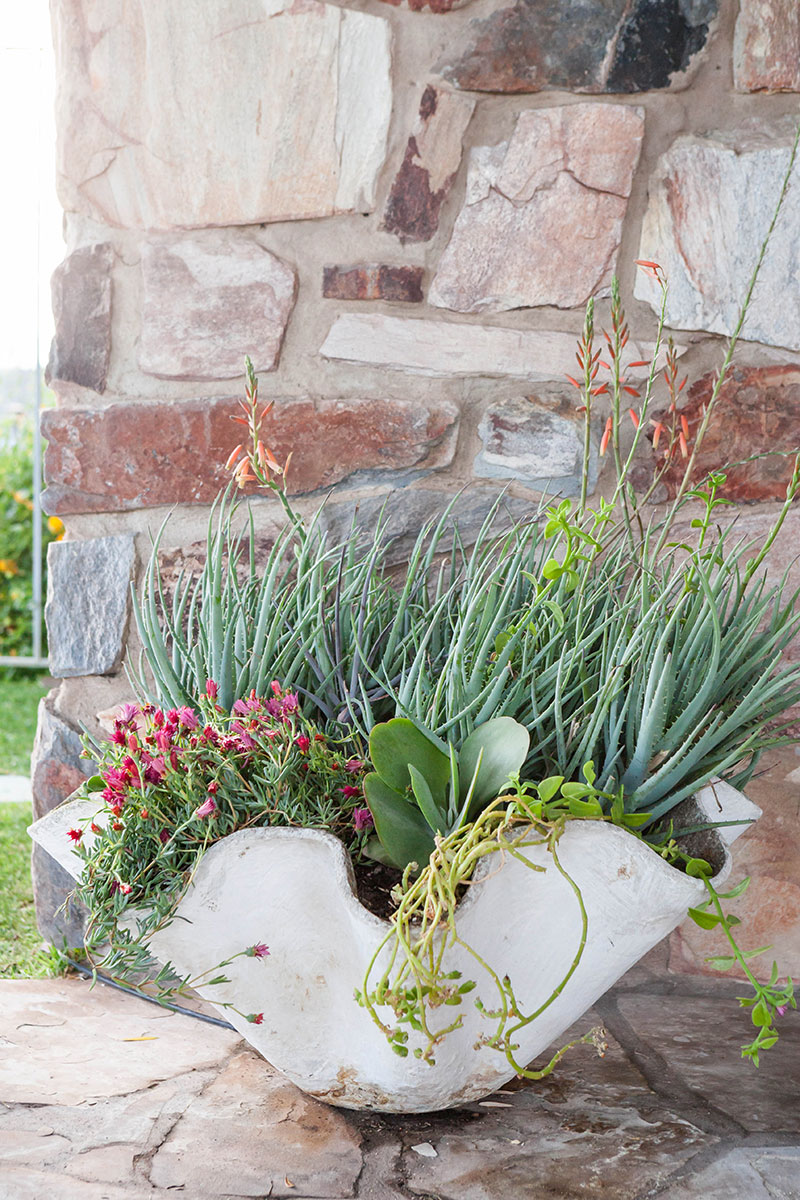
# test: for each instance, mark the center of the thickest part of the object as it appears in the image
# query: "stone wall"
(398, 209)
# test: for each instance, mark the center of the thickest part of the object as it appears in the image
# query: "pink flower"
(240, 708)
(212, 691)
(75, 834)
(354, 764)
(362, 819)
(187, 717)
(164, 739)
(206, 808)
(213, 788)
(127, 714)
(255, 1018)
(276, 687)
(350, 793)
(257, 951)
(125, 888)
(781, 1009)
(302, 742)
(155, 770)
(289, 704)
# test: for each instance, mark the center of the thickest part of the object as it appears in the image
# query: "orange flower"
(652, 268)
(606, 436)
(658, 429)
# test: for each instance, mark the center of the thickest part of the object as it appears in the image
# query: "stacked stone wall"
(398, 210)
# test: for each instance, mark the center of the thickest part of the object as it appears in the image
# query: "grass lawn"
(20, 941)
(19, 700)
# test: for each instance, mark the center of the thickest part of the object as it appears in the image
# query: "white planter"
(293, 890)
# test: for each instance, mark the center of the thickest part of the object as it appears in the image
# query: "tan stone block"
(260, 1136)
(197, 114)
(766, 46)
(542, 219)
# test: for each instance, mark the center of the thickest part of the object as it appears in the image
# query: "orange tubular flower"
(606, 436)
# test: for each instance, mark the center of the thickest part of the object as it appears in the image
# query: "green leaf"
(504, 743)
(698, 868)
(557, 611)
(374, 850)
(552, 569)
(755, 953)
(634, 820)
(589, 773)
(403, 831)
(575, 791)
(721, 962)
(436, 818)
(735, 891)
(395, 744)
(548, 787)
(705, 920)
(760, 1014)
(95, 783)
(585, 808)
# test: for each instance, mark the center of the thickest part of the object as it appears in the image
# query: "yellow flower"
(56, 525)
(8, 566)
(21, 498)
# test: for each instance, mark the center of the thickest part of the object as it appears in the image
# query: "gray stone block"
(87, 603)
(540, 448)
(81, 288)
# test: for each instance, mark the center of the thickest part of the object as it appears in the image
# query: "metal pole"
(37, 432)
(36, 659)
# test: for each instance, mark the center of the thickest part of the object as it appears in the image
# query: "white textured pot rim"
(607, 834)
(42, 831)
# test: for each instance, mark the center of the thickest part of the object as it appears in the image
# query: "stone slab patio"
(104, 1096)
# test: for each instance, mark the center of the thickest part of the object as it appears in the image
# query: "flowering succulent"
(170, 783)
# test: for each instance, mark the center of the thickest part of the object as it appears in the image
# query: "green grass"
(19, 700)
(20, 940)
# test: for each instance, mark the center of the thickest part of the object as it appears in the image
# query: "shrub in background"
(16, 535)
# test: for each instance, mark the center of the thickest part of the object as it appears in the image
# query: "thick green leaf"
(435, 816)
(504, 743)
(396, 743)
(403, 831)
(95, 783)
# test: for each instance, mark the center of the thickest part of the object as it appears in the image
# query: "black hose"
(132, 991)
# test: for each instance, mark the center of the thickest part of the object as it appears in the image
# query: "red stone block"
(436, 6)
(373, 282)
(137, 455)
(429, 166)
(757, 413)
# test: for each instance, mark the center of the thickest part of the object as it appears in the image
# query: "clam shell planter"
(294, 890)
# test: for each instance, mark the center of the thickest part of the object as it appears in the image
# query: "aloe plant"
(422, 786)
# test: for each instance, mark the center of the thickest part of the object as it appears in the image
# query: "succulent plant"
(422, 786)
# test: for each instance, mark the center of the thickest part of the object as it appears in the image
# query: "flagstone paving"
(104, 1096)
